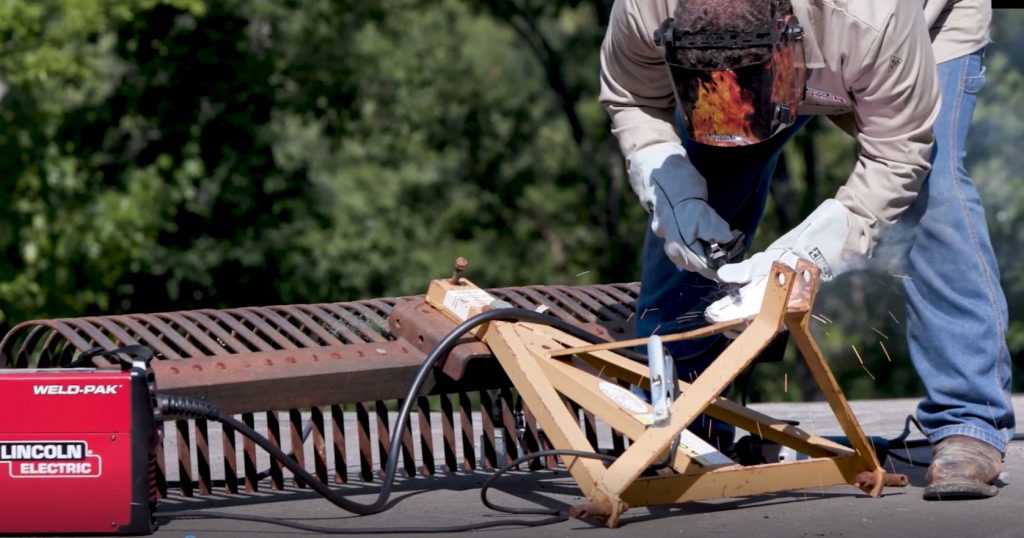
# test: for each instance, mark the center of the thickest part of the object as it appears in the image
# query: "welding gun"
(719, 254)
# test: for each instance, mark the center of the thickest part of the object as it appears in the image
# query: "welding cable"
(900, 442)
(170, 406)
(534, 455)
(194, 408)
(137, 353)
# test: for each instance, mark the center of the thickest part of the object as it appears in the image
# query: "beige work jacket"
(957, 27)
(869, 57)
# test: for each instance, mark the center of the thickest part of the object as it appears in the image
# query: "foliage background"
(176, 154)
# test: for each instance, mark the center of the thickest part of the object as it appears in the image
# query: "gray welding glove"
(675, 194)
(831, 237)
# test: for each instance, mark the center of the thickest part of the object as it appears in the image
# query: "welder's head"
(737, 68)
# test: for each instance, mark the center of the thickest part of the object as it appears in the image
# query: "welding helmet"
(737, 103)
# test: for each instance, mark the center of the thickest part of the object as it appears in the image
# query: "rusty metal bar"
(249, 456)
(508, 422)
(298, 454)
(466, 420)
(538, 442)
(383, 434)
(281, 379)
(365, 448)
(338, 442)
(426, 436)
(488, 448)
(408, 451)
(451, 464)
(230, 459)
(274, 436)
(319, 444)
(184, 458)
(203, 460)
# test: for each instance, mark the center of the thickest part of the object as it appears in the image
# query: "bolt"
(460, 266)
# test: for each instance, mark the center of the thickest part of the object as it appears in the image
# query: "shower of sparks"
(583, 273)
(891, 315)
(880, 333)
(823, 316)
(886, 351)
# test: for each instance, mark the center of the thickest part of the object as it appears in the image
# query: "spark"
(909, 457)
(886, 351)
(583, 273)
(825, 318)
(820, 319)
(646, 310)
(785, 382)
(893, 317)
(861, 361)
(903, 276)
(883, 335)
(631, 314)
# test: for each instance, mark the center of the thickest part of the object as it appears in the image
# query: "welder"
(703, 94)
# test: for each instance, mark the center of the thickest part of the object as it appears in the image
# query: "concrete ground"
(447, 501)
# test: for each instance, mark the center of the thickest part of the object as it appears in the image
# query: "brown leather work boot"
(962, 468)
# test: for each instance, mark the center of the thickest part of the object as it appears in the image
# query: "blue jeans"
(956, 309)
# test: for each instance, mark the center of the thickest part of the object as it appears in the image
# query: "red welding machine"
(76, 452)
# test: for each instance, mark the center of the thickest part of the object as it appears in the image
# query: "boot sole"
(959, 491)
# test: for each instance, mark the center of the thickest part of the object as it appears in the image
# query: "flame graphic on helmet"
(721, 111)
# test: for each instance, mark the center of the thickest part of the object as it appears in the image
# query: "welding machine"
(76, 451)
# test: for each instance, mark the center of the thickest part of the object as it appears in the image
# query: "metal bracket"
(663, 381)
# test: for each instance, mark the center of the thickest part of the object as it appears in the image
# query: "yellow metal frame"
(548, 366)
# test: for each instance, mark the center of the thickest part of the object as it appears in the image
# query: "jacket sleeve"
(896, 94)
(635, 86)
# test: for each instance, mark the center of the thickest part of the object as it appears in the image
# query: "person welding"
(703, 95)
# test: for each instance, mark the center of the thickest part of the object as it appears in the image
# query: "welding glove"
(831, 237)
(675, 194)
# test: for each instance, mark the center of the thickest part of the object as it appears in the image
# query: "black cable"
(193, 408)
(137, 353)
(534, 455)
(900, 442)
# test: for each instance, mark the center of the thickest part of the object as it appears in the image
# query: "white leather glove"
(675, 194)
(822, 238)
